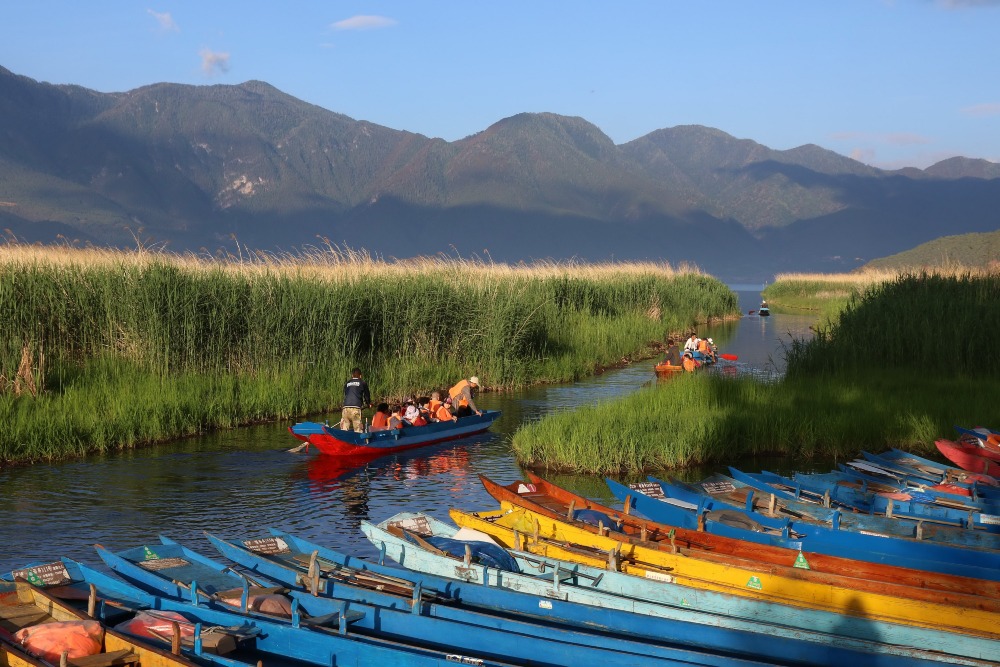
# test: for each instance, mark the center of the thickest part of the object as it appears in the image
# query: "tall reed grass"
(693, 420)
(137, 347)
(908, 358)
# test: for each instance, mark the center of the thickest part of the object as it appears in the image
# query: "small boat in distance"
(337, 442)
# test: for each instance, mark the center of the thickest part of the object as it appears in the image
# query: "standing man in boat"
(461, 397)
(357, 397)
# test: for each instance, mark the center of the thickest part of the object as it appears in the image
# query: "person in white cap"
(461, 397)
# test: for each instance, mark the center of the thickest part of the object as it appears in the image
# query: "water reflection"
(239, 482)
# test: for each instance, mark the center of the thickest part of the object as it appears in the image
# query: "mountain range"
(204, 168)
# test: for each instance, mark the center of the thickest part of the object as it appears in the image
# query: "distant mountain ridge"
(199, 166)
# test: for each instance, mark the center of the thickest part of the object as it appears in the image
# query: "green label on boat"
(800, 561)
(149, 554)
(755, 584)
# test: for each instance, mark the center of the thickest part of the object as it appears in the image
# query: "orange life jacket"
(380, 421)
(444, 414)
(462, 387)
(690, 365)
(703, 347)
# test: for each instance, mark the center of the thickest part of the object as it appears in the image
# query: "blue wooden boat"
(831, 494)
(555, 595)
(920, 506)
(945, 474)
(893, 479)
(407, 617)
(873, 464)
(337, 442)
(325, 576)
(800, 508)
(687, 509)
(830, 634)
(231, 639)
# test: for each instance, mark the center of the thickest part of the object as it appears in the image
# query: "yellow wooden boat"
(23, 605)
(519, 528)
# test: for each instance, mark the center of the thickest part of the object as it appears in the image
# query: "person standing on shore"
(357, 397)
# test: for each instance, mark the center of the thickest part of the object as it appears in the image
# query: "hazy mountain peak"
(963, 167)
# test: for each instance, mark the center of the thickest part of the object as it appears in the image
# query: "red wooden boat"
(337, 442)
(969, 457)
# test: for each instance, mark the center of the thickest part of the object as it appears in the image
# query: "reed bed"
(908, 358)
(697, 420)
(104, 349)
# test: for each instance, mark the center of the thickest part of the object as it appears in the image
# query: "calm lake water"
(237, 483)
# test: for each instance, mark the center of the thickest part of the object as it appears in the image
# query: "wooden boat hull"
(533, 644)
(725, 622)
(336, 442)
(866, 575)
(836, 519)
(685, 507)
(968, 457)
(667, 370)
(389, 615)
(280, 639)
(16, 596)
(757, 583)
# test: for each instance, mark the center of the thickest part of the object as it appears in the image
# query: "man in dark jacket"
(357, 397)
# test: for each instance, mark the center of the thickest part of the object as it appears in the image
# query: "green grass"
(906, 361)
(133, 349)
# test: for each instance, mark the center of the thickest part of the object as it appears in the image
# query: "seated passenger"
(413, 416)
(443, 413)
(690, 363)
(380, 420)
(396, 418)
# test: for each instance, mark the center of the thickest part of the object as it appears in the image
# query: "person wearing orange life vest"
(443, 413)
(705, 348)
(461, 397)
(689, 362)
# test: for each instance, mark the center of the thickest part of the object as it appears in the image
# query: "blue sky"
(889, 82)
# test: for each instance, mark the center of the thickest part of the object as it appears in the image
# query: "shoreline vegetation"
(907, 357)
(104, 350)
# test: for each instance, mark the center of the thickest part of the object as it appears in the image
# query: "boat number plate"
(715, 488)
(163, 564)
(463, 659)
(991, 519)
(267, 545)
(50, 574)
(651, 489)
(656, 576)
(417, 524)
(544, 604)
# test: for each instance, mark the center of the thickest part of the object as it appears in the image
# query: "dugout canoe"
(771, 631)
(756, 582)
(917, 469)
(337, 442)
(792, 559)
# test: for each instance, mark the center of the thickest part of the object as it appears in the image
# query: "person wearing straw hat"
(461, 397)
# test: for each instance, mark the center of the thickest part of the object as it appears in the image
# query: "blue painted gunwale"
(903, 484)
(915, 476)
(769, 621)
(273, 640)
(554, 599)
(812, 537)
(873, 523)
(947, 474)
(429, 624)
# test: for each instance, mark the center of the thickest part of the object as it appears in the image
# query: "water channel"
(237, 483)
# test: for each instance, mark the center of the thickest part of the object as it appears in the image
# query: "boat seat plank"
(113, 659)
(333, 620)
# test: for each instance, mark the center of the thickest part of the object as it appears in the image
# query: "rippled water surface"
(238, 483)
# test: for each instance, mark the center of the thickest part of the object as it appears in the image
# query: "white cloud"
(165, 20)
(363, 23)
(213, 62)
(987, 109)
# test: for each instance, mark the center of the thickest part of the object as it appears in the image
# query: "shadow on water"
(237, 483)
